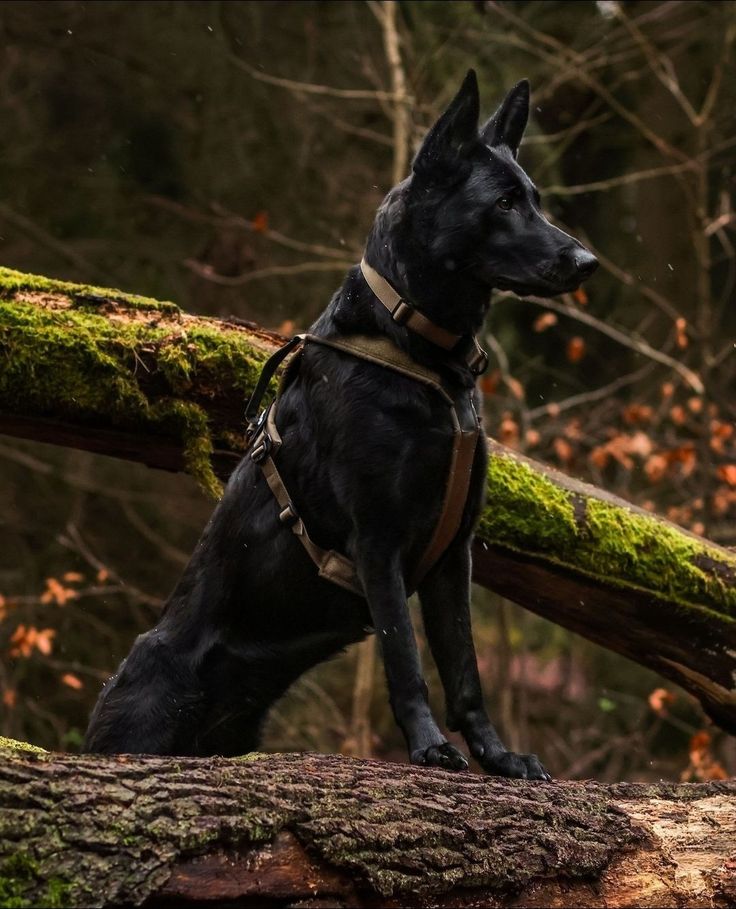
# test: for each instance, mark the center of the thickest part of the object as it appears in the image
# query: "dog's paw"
(445, 755)
(518, 766)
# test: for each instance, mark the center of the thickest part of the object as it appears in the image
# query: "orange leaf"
(677, 415)
(655, 467)
(637, 413)
(72, 681)
(660, 699)
(102, 575)
(580, 296)
(72, 577)
(44, 639)
(575, 349)
(260, 222)
(563, 450)
(57, 593)
(681, 329)
(509, 431)
(532, 438)
(9, 698)
(545, 321)
(727, 473)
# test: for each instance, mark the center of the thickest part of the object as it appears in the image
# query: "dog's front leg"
(380, 573)
(445, 598)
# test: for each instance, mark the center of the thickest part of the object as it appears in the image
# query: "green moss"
(525, 506)
(7, 744)
(528, 512)
(82, 295)
(131, 374)
(19, 879)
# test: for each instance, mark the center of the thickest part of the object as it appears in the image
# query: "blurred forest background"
(230, 156)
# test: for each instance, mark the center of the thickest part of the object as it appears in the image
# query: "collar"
(405, 313)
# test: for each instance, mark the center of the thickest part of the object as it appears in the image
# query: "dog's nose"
(585, 263)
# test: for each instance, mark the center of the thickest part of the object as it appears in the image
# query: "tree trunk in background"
(312, 830)
(133, 378)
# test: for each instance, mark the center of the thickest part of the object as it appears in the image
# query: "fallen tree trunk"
(312, 830)
(139, 379)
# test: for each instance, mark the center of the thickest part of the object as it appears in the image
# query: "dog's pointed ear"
(507, 125)
(455, 129)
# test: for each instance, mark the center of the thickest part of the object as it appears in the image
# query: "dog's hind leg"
(242, 683)
(150, 706)
(445, 599)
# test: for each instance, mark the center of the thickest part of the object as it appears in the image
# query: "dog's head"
(477, 213)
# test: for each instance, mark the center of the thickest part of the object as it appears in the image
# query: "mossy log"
(135, 378)
(314, 830)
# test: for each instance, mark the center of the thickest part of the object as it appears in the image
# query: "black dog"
(365, 454)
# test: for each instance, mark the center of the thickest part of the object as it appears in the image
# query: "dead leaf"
(545, 321)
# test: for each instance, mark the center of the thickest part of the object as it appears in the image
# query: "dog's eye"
(505, 203)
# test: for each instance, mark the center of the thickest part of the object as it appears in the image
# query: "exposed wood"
(311, 830)
(137, 379)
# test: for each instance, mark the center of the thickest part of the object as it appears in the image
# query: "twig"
(73, 540)
(309, 88)
(623, 180)
(206, 272)
(36, 232)
(588, 397)
(591, 81)
(164, 547)
(227, 219)
(640, 346)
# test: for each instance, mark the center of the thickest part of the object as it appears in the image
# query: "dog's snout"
(585, 263)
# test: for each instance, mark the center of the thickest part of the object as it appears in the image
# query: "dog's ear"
(507, 125)
(456, 129)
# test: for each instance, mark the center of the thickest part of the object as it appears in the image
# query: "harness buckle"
(478, 363)
(401, 312)
(262, 449)
(288, 515)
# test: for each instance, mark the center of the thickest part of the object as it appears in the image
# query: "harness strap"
(456, 495)
(405, 313)
(269, 368)
(264, 440)
(331, 565)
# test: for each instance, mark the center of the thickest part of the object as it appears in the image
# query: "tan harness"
(265, 441)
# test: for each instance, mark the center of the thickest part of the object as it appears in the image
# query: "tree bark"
(138, 379)
(313, 830)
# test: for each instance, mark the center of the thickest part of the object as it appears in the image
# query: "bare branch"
(385, 13)
(622, 337)
(272, 271)
(310, 88)
(41, 236)
(560, 50)
(588, 397)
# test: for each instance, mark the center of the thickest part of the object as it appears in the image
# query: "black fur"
(365, 457)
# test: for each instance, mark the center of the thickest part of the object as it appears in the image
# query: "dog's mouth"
(538, 287)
